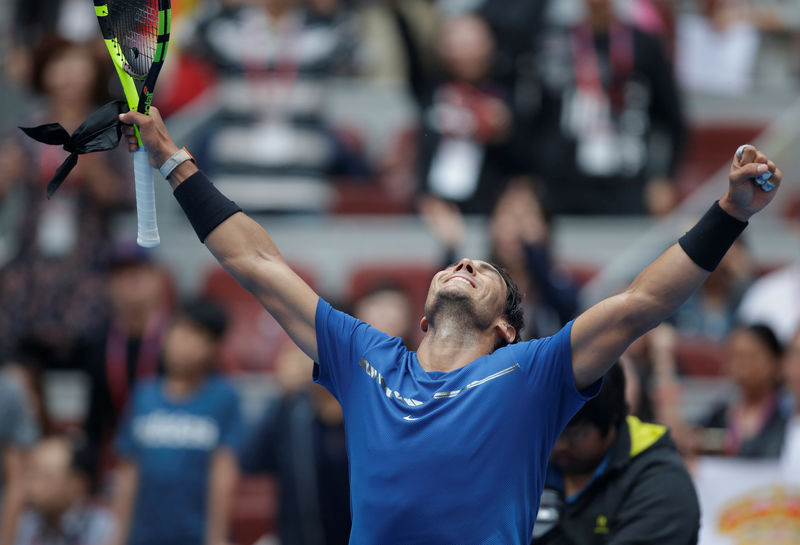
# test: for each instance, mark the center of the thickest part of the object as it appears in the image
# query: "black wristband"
(707, 242)
(203, 204)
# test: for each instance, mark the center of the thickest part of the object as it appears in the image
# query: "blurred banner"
(747, 502)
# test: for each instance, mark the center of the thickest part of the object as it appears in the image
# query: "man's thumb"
(132, 118)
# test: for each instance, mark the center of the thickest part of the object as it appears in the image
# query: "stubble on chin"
(455, 308)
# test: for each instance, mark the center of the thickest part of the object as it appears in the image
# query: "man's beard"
(456, 309)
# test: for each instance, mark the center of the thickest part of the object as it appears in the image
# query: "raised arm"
(602, 333)
(241, 246)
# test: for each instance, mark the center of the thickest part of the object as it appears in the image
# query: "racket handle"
(147, 235)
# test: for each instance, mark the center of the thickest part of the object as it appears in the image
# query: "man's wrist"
(707, 242)
(181, 173)
(732, 210)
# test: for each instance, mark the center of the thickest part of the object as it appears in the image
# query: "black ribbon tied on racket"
(100, 132)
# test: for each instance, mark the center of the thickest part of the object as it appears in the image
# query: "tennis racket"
(136, 33)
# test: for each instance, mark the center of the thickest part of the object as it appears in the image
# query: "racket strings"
(135, 25)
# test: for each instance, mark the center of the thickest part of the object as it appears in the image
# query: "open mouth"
(460, 279)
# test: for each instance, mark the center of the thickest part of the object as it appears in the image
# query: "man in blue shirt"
(450, 444)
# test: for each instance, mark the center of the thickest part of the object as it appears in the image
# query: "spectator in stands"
(300, 439)
(270, 143)
(59, 510)
(772, 300)
(177, 472)
(17, 433)
(752, 424)
(387, 307)
(769, 30)
(52, 289)
(129, 349)
(593, 94)
(652, 360)
(791, 373)
(464, 152)
(617, 476)
(520, 238)
(711, 312)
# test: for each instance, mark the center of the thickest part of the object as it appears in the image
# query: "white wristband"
(178, 158)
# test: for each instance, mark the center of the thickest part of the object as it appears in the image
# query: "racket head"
(136, 33)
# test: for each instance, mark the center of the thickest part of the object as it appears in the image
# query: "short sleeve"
(341, 342)
(548, 364)
(230, 420)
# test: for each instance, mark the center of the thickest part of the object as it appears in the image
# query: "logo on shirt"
(378, 378)
(166, 429)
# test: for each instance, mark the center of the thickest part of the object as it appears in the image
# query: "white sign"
(747, 503)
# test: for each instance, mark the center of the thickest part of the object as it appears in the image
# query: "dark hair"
(609, 408)
(52, 47)
(512, 311)
(206, 315)
(766, 336)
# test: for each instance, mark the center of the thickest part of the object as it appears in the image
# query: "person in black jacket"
(300, 440)
(602, 112)
(465, 149)
(614, 479)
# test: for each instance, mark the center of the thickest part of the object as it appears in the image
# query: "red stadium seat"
(700, 357)
(253, 337)
(255, 509)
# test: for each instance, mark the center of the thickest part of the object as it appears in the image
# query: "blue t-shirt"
(172, 443)
(454, 458)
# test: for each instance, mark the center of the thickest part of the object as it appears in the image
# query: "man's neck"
(448, 348)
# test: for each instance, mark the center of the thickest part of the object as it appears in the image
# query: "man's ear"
(423, 324)
(506, 331)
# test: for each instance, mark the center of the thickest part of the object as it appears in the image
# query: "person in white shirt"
(774, 300)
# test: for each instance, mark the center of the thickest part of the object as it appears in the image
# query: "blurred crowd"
(524, 112)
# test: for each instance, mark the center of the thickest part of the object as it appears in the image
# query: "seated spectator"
(18, 432)
(753, 46)
(177, 472)
(52, 289)
(601, 88)
(652, 360)
(270, 144)
(520, 242)
(300, 439)
(791, 373)
(127, 349)
(772, 300)
(59, 510)
(616, 476)
(387, 307)
(465, 121)
(752, 424)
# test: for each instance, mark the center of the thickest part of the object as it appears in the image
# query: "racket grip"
(147, 229)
